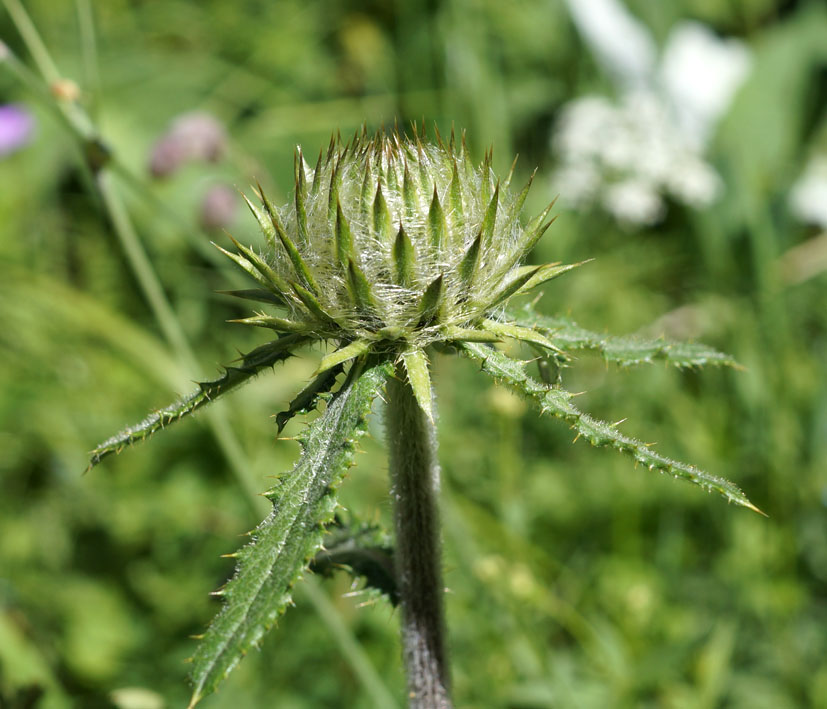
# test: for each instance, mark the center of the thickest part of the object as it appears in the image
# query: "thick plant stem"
(414, 473)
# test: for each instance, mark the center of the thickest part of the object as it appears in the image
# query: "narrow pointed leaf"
(382, 225)
(263, 220)
(299, 266)
(286, 541)
(308, 398)
(249, 269)
(311, 303)
(250, 365)
(272, 215)
(517, 205)
(626, 350)
(455, 206)
(488, 222)
(557, 402)
(343, 354)
(526, 334)
(545, 273)
(360, 288)
(301, 195)
(409, 195)
(403, 259)
(416, 365)
(510, 175)
(521, 276)
(470, 262)
(437, 226)
(272, 323)
(431, 300)
(317, 174)
(333, 193)
(264, 268)
(461, 334)
(259, 295)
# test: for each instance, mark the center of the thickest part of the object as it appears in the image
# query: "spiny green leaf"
(461, 334)
(557, 402)
(311, 303)
(429, 304)
(517, 206)
(250, 365)
(263, 220)
(272, 323)
(516, 281)
(455, 206)
(409, 194)
(343, 354)
(533, 232)
(543, 274)
(333, 193)
(470, 262)
(301, 194)
(364, 551)
(510, 175)
(416, 365)
(289, 537)
(626, 351)
(527, 334)
(403, 258)
(308, 398)
(382, 225)
(437, 226)
(250, 269)
(317, 175)
(299, 266)
(488, 222)
(278, 284)
(360, 288)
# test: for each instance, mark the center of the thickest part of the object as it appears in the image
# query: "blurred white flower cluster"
(808, 197)
(628, 154)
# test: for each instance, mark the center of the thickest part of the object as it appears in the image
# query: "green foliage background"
(575, 580)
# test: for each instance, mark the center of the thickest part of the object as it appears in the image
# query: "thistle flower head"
(393, 243)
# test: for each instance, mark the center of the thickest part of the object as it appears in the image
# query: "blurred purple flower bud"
(167, 156)
(202, 136)
(218, 207)
(192, 136)
(16, 128)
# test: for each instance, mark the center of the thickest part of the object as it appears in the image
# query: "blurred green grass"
(575, 580)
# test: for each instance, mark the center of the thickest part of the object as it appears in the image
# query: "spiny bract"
(391, 244)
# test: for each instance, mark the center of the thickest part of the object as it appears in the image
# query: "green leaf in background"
(287, 540)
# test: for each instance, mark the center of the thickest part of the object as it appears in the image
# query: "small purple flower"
(191, 136)
(16, 128)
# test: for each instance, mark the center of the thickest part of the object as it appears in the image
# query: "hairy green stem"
(414, 474)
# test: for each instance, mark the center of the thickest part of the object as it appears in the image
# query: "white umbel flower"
(648, 144)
